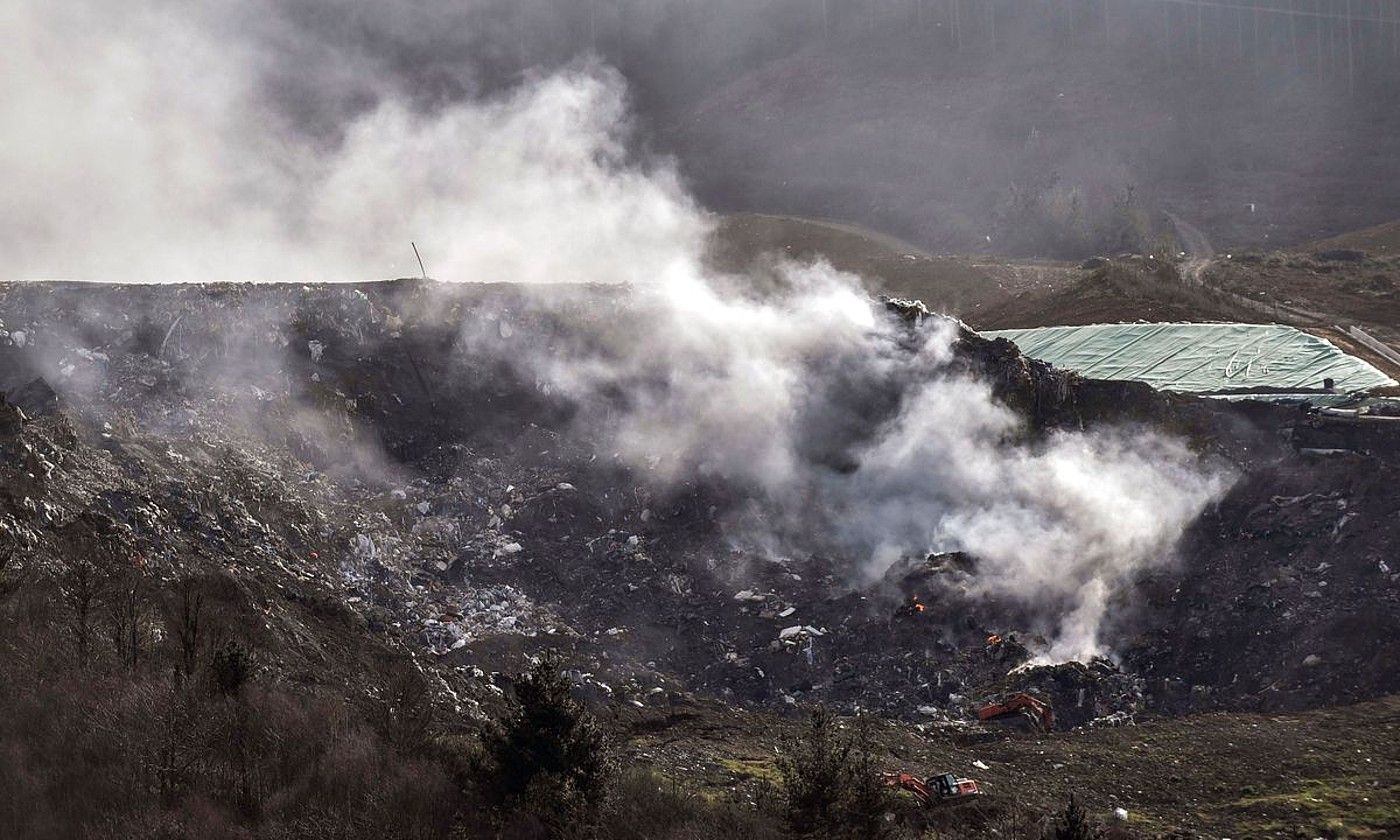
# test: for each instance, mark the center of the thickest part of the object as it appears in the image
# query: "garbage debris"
(469, 465)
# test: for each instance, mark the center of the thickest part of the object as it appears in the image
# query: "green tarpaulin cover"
(1199, 358)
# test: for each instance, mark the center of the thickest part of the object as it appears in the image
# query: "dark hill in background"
(1065, 157)
(1059, 128)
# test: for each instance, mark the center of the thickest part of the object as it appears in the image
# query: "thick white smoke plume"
(1060, 524)
(779, 394)
(138, 146)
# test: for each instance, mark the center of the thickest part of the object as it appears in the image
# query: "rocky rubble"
(337, 454)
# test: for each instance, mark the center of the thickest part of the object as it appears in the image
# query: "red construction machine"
(943, 789)
(1021, 710)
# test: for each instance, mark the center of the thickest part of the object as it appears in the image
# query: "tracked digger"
(1019, 710)
(939, 790)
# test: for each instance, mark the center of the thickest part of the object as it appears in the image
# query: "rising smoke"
(157, 158)
(860, 442)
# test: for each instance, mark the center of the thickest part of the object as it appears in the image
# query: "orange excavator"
(1019, 709)
(943, 789)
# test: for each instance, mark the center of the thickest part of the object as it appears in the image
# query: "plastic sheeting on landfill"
(1200, 358)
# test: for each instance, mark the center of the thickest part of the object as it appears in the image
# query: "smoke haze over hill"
(313, 139)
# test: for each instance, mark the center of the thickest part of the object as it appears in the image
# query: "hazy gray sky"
(313, 138)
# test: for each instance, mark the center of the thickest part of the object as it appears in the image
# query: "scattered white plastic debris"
(1120, 814)
(787, 612)
(1118, 718)
(510, 548)
(564, 485)
(19, 337)
(423, 508)
(1312, 660)
(316, 348)
(980, 765)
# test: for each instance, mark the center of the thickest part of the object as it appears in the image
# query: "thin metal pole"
(422, 272)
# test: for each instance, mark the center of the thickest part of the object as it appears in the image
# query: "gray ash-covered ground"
(340, 458)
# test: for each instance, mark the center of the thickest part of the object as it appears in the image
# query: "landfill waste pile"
(348, 456)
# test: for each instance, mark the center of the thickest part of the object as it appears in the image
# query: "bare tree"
(80, 584)
(126, 603)
(184, 614)
(89, 549)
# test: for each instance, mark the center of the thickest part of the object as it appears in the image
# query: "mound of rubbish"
(375, 457)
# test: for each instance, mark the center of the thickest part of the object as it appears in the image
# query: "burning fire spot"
(913, 606)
